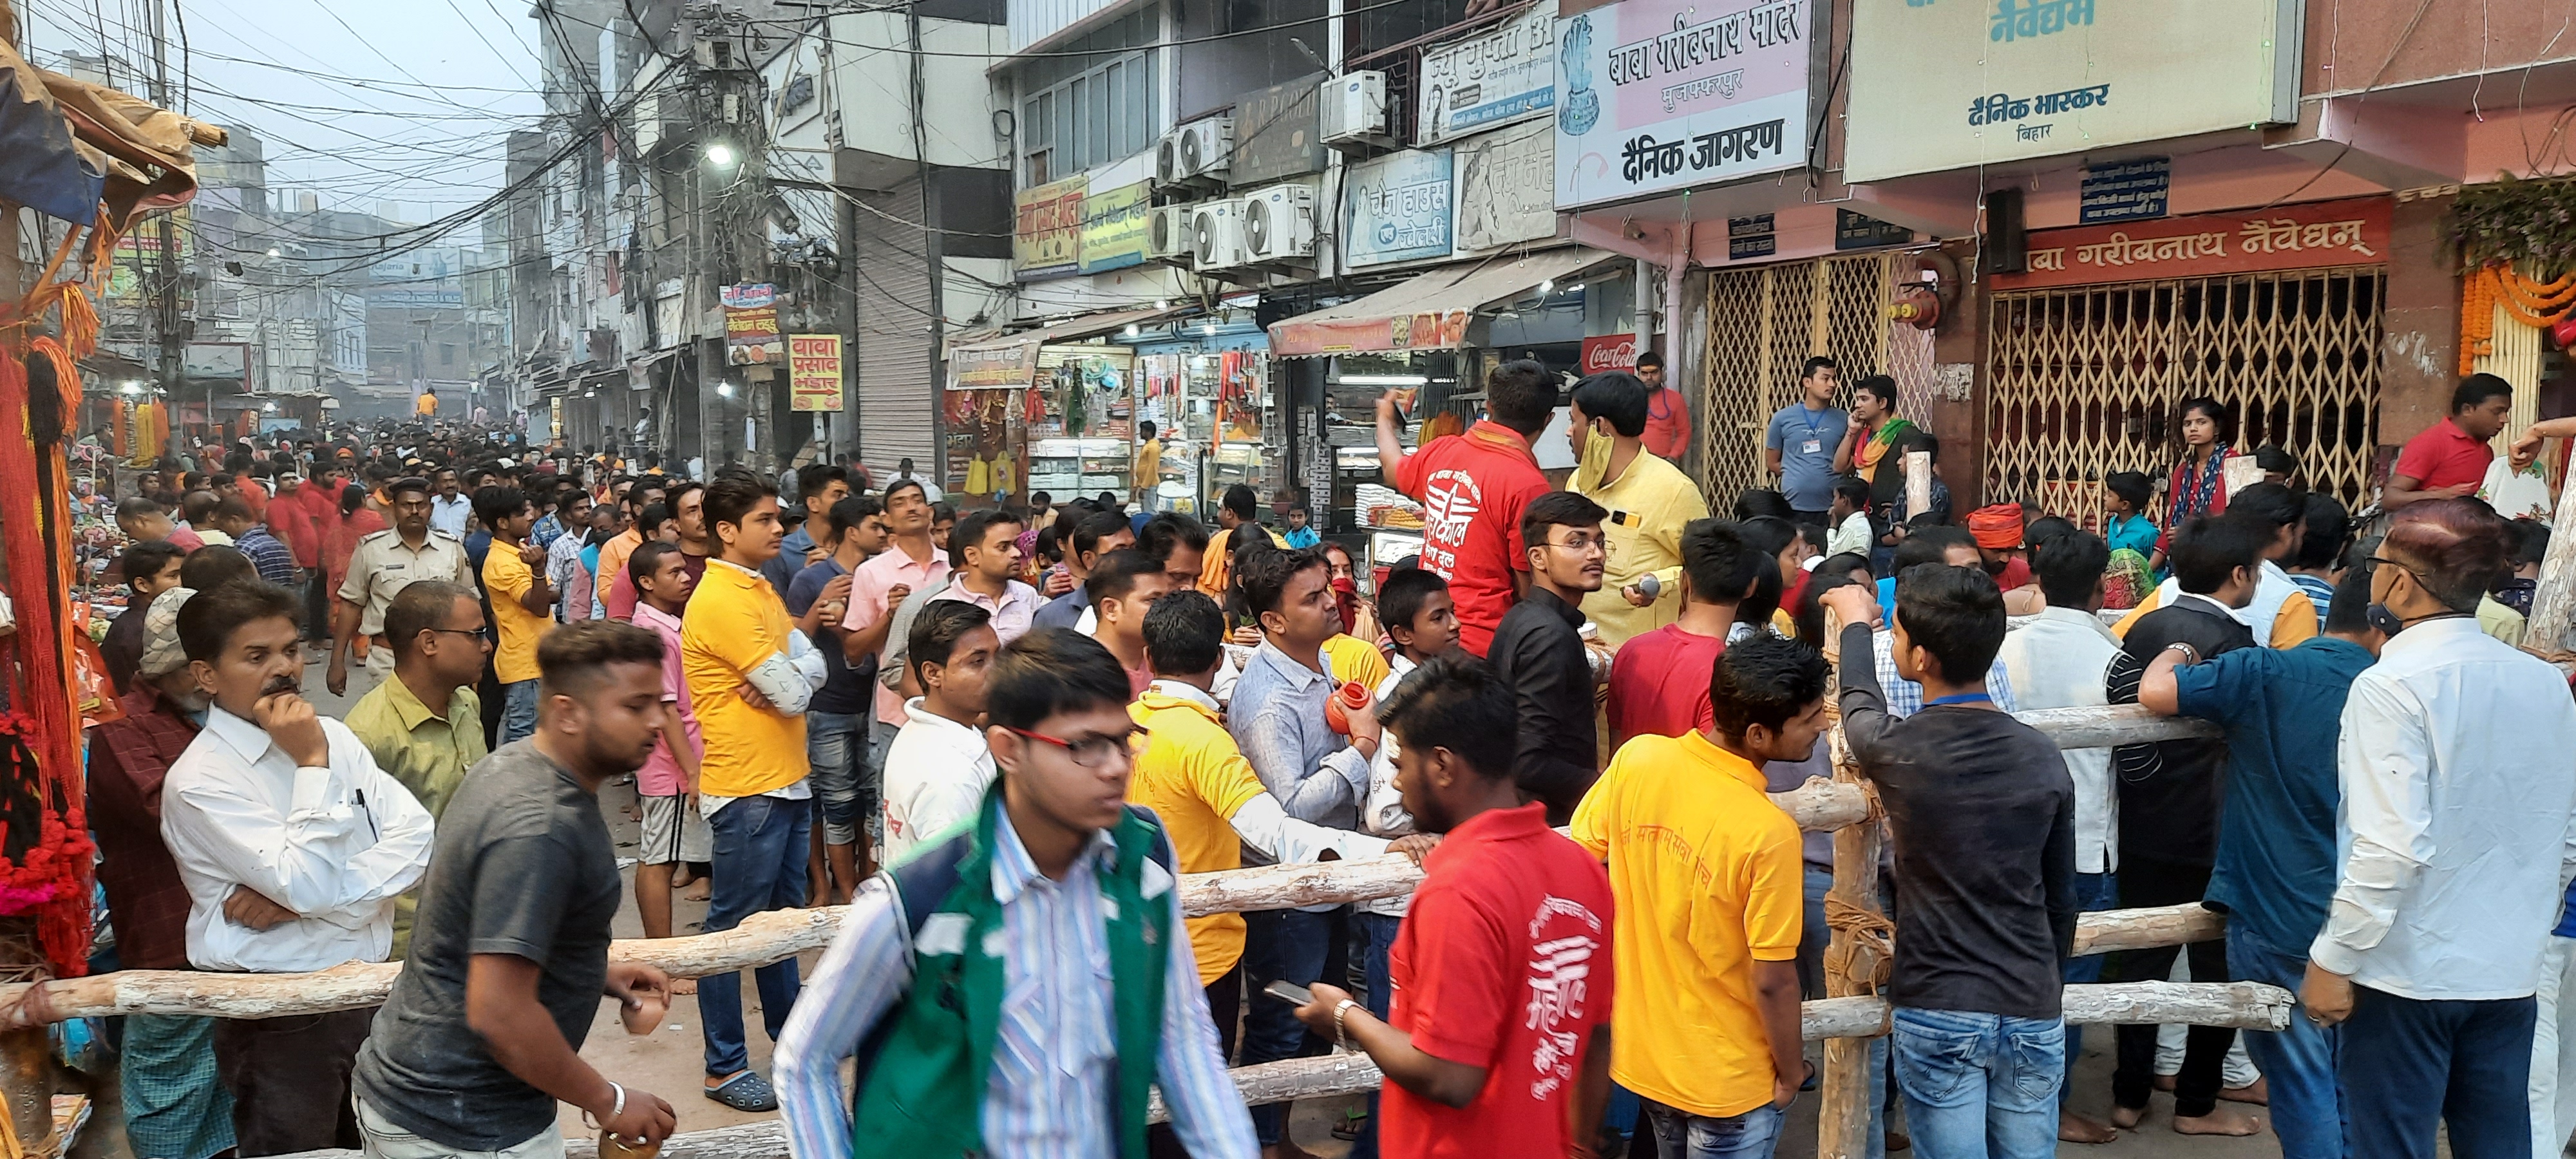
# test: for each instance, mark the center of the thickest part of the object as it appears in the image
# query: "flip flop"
(744, 1092)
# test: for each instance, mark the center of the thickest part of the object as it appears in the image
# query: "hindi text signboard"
(1654, 95)
(2352, 232)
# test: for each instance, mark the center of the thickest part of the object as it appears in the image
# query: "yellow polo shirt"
(735, 622)
(1706, 873)
(1356, 659)
(1194, 778)
(1649, 505)
(514, 647)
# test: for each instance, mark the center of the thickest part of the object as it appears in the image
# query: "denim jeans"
(1374, 934)
(2307, 1100)
(2093, 891)
(1294, 946)
(761, 845)
(1814, 935)
(518, 710)
(836, 749)
(2412, 1065)
(1682, 1135)
(872, 775)
(1980, 1086)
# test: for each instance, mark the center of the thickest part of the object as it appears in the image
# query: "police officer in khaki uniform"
(382, 565)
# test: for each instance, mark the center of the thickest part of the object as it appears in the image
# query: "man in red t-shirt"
(1668, 420)
(1497, 1041)
(2449, 459)
(1659, 679)
(1472, 488)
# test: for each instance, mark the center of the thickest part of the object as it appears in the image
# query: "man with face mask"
(383, 564)
(1649, 501)
(169, 1108)
(2455, 859)
(478, 1040)
(293, 846)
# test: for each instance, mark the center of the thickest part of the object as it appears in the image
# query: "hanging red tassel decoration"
(45, 851)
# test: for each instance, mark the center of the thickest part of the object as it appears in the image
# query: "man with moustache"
(293, 846)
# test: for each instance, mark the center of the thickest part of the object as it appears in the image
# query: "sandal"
(744, 1092)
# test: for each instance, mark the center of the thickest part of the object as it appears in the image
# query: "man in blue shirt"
(1800, 443)
(2276, 869)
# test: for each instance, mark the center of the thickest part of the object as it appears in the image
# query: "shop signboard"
(1278, 133)
(1603, 352)
(215, 361)
(1860, 231)
(751, 324)
(1006, 364)
(1116, 225)
(1399, 208)
(1046, 234)
(2352, 232)
(1655, 95)
(1437, 330)
(1490, 80)
(1505, 189)
(1962, 83)
(814, 373)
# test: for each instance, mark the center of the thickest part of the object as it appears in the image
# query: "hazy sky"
(362, 101)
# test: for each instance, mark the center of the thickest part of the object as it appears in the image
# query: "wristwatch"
(1340, 1034)
(2190, 655)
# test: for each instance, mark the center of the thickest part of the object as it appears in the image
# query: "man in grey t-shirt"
(509, 954)
(1799, 445)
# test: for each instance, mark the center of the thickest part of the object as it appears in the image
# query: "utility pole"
(165, 304)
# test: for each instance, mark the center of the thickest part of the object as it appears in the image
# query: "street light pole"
(166, 291)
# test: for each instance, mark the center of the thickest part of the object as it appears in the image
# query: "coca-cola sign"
(1609, 352)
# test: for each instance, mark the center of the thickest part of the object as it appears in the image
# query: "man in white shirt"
(2056, 660)
(451, 507)
(293, 846)
(903, 473)
(2455, 855)
(939, 765)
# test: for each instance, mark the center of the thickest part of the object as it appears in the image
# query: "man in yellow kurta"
(1649, 501)
(749, 683)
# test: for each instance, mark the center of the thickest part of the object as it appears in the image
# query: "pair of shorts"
(674, 832)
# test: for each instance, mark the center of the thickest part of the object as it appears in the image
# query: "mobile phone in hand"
(1290, 993)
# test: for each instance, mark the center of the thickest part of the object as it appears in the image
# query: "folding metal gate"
(2085, 380)
(1764, 323)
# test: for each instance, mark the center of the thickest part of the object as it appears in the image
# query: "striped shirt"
(1052, 1088)
(275, 563)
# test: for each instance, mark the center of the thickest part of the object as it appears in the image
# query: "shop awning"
(1011, 360)
(1429, 311)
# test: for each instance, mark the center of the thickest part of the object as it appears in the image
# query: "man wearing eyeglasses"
(425, 725)
(1044, 1050)
(1538, 651)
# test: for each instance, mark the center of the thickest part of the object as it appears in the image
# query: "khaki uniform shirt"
(383, 565)
(428, 754)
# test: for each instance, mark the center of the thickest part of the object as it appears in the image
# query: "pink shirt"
(868, 588)
(660, 776)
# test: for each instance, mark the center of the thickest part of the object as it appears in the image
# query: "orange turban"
(1997, 527)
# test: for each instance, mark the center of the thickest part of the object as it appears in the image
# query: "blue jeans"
(1294, 946)
(836, 748)
(518, 710)
(761, 845)
(2093, 891)
(1980, 1086)
(1682, 1135)
(2411, 1065)
(1815, 934)
(2307, 1101)
(1375, 934)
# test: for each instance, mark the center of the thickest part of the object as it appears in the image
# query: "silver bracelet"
(617, 1109)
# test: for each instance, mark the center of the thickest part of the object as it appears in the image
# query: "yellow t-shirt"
(1707, 877)
(1194, 778)
(514, 649)
(1355, 659)
(2293, 625)
(1149, 464)
(1649, 505)
(735, 623)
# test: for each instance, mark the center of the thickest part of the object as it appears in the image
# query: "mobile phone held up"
(1290, 993)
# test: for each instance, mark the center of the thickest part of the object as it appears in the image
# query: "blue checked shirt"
(1905, 697)
(1053, 1085)
(275, 563)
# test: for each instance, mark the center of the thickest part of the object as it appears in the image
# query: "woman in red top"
(2198, 485)
(340, 540)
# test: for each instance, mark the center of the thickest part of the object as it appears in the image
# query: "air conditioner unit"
(1354, 110)
(1170, 236)
(1198, 152)
(1216, 235)
(1279, 223)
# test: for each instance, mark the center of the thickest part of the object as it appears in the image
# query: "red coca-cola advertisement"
(1609, 352)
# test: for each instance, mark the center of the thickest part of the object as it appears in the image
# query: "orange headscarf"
(1996, 528)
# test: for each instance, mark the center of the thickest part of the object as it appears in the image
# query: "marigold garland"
(2532, 302)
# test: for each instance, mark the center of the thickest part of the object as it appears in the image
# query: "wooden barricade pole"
(1853, 958)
